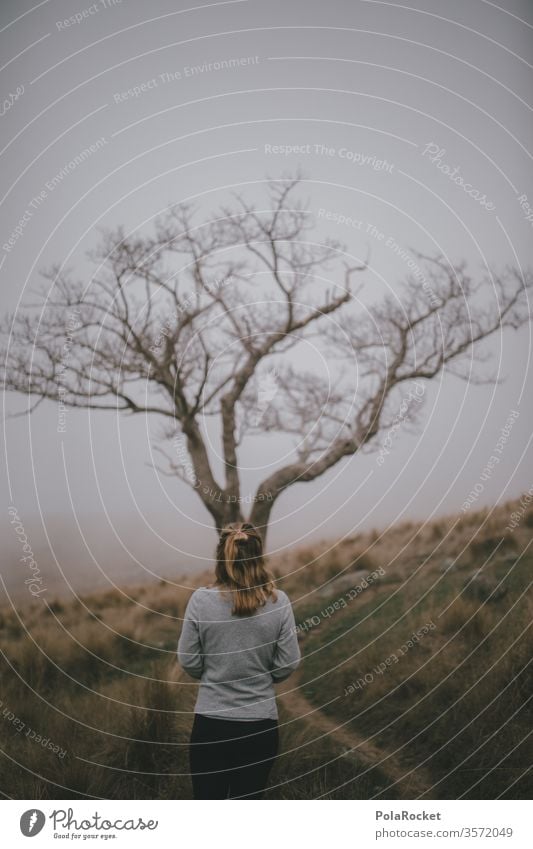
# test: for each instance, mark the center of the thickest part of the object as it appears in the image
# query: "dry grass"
(97, 675)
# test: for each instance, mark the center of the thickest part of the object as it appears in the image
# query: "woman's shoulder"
(207, 594)
(281, 597)
(204, 592)
(198, 594)
(210, 594)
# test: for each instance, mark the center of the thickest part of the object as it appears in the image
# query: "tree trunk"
(260, 516)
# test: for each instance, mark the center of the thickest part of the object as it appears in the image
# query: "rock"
(510, 559)
(480, 587)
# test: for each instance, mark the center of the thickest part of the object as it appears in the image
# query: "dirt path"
(411, 783)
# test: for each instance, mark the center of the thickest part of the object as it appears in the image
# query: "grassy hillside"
(416, 680)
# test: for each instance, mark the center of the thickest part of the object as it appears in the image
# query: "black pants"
(231, 759)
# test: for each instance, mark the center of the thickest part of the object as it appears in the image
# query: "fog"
(370, 101)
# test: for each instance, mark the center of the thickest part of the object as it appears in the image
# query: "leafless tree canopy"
(203, 321)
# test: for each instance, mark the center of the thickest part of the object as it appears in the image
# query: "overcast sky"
(353, 84)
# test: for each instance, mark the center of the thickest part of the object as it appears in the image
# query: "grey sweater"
(237, 658)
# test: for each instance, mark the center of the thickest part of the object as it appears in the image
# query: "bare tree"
(207, 322)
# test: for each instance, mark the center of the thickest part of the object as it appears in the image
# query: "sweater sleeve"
(287, 651)
(190, 655)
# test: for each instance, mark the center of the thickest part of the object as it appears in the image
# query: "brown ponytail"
(241, 569)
